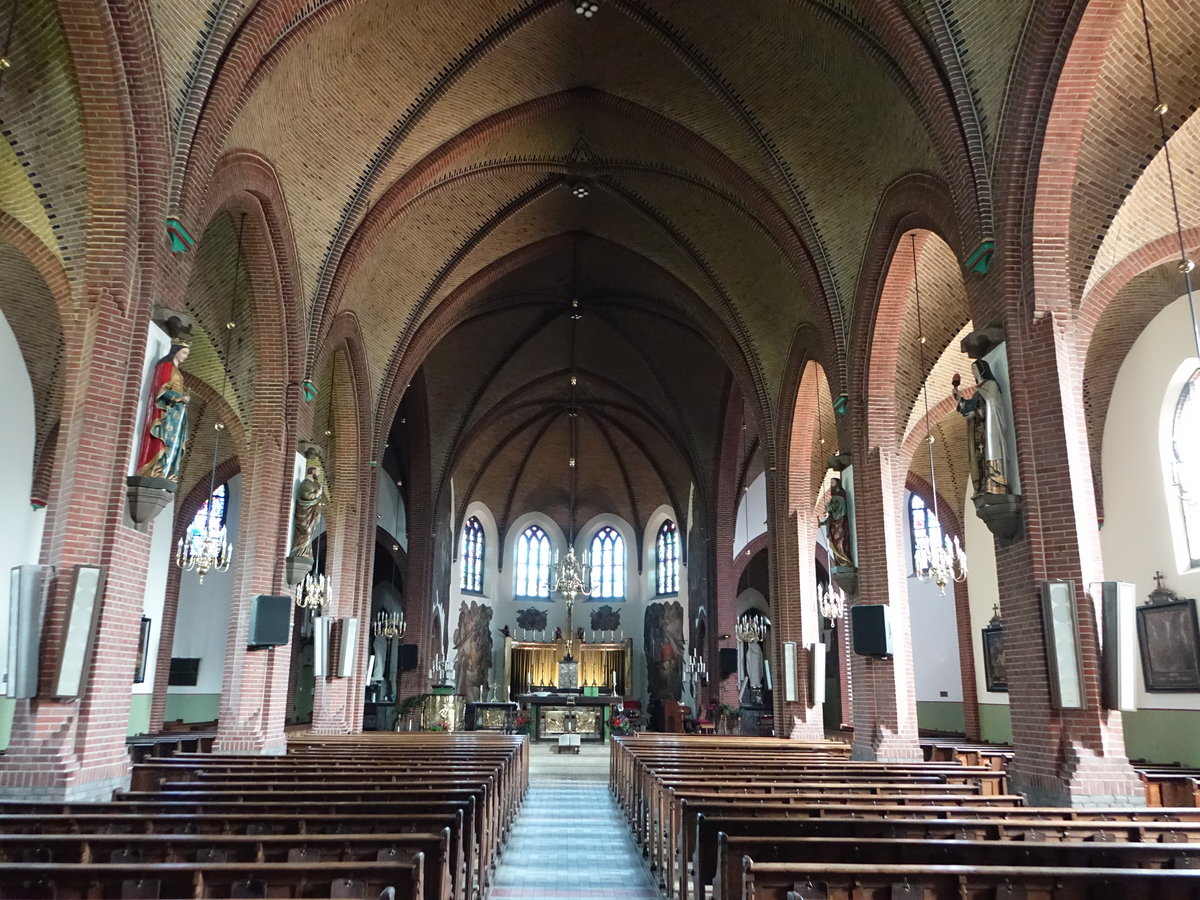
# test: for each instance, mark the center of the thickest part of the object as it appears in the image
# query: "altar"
(554, 714)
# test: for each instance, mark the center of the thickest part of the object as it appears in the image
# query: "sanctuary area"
(792, 397)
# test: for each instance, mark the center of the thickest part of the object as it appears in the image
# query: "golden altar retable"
(533, 665)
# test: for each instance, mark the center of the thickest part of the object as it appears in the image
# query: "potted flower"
(618, 724)
(522, 723)
(727, 720)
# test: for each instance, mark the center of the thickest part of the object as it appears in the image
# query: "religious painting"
(473, 646)
(531, 619)
(605, 618)
(1169, 637)
(664, 650)
(995, 672)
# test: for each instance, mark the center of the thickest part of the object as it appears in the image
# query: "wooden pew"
(846, 881)
(882, 852)
(68, 881)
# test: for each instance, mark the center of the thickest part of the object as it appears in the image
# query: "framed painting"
(1169, 638)
(995, 673)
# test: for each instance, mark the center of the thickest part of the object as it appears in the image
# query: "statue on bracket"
(165, 434)
(837, 523)
(311, 498)
(987, 422)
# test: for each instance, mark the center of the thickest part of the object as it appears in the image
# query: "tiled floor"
(570, 840)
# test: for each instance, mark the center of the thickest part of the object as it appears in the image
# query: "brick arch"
(186, 509)
(429, 175)
(760, 544)
(246, 182)
(799, 417)
(42, 258)
(461, 302)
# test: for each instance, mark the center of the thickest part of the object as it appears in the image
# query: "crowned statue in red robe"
(165, 433)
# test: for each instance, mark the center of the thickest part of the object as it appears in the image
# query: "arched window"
(926, 530)
(1185, 463)
(667, 581)
(471, 551)
(196, 531)
(607, 557)
(533, 564)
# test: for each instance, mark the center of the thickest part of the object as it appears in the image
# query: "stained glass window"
(607, 557)
(195, 532)
(471, 552)
(533, 564)
(668, 559)
(926, 530)
(1185, 451)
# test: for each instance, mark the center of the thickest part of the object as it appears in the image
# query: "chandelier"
(830, 603)
(314, 593)
(209, 551)
(752, 628)
(695, 671)
(946, 561)
(571, 576)
(389, 625)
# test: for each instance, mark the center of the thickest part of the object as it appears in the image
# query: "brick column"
(74, 749)
(885, 709)
(254, 698)
(166, 640)
(1063, 757)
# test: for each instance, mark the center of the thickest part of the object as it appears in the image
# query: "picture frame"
(1169, 641)
(995, 672)
(79, 631)
(139, 664)
(1060, 622)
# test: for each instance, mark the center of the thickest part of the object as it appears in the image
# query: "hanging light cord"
(925, 382)
(1185, 265)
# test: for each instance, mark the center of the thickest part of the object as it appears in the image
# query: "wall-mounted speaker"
(270, 622)
(347, 647)
(1118, 660)
(406, 657)
(871, 628)
(21, 630)
(728, 661)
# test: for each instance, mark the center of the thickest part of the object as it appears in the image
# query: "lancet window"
(1185, 463)
(471, 552)
(607, 556)
(533, 564)
(926, 530)
(197, 530)
(667, 572)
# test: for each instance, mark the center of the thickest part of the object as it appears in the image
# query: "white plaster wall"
(20, 524)
(161, 559)
(934, 630)
(1137, 538)
(751, 514)
(202, 623)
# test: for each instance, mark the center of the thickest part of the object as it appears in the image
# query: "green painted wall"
(192, 707)
(1163, 735)
(995, 723)
(938, 716)
(139, 714)
(7, 707)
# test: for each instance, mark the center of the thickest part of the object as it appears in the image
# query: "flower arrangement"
(440, 725)
(522, 722)
(619, 724)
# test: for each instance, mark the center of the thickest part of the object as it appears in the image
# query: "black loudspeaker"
(407, 657)
(871, 627)
(270, 621)
(728, 661)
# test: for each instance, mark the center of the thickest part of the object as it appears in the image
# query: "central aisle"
(570, 840)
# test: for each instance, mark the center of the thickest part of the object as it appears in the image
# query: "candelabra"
(830, 603)
(942, 563)
(314, 593)
(695, 671)
(389, 625)
(752, 629)
(211, 553)
(440, 671)
(571, 577)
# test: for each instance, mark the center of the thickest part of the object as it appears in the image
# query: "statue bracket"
(1003, 514)
(147, 497)
(846, 577)
(296, 567)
